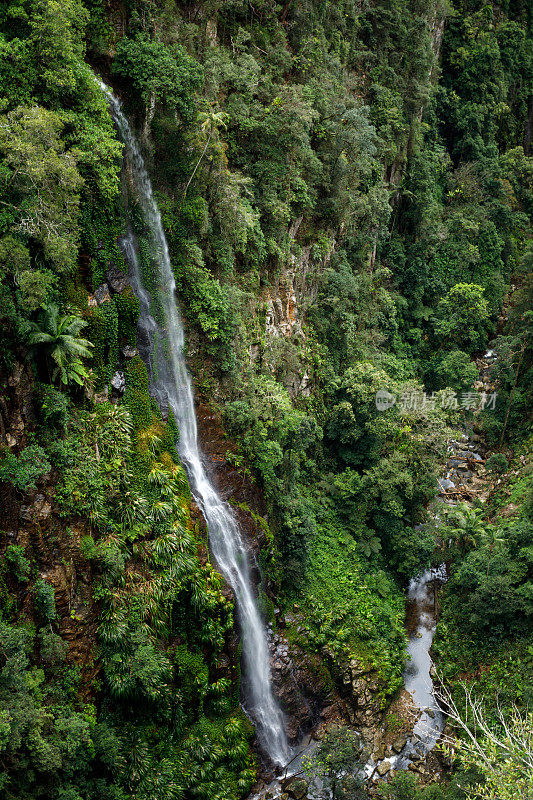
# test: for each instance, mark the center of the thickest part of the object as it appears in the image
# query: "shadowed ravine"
(162, 344)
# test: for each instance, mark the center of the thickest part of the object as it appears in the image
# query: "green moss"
(137, 395)
(193, 677)
(8, 602)
(170, 437)
(102, 331)
(18, 563)
(127, 307)
(102, 224)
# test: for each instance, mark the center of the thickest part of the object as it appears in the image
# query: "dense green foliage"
(487, 603)
(347, 193)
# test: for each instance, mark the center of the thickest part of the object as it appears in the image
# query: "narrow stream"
(418, 680)
(417, 674)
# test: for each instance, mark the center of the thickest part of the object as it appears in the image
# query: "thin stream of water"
(162, 340)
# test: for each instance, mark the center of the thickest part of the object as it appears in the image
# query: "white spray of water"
(171, 384)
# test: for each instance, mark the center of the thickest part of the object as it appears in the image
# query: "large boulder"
(118, 382)
(101, 294)
(117, 280)
(300, 686)
(399, 743)
(295, 787)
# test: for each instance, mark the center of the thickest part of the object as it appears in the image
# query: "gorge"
(266, 365)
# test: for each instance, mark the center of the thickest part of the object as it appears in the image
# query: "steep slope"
(346, 192)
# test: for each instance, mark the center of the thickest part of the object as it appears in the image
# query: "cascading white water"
(171, 384)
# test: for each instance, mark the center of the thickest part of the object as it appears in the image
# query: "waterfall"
(170, 383)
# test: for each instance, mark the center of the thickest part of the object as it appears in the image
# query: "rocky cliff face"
(50, 541)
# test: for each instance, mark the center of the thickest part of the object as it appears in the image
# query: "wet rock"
(419, 768)
(117, 280)
(357, 668)
(101, 295)
(38, 511)
(367, 720)
(15, 377)
(430, 713)
(129, 352)
(118, 382)
(383, 768)
(290, 619)
(296, 788)
(379, 755)
(361, 693)
(300, 687)
(101, 397)
(447, 484)
(399, 743)
(367, 733)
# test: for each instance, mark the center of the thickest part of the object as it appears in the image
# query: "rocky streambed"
(314, 708)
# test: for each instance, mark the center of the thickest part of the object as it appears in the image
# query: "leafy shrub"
(462, 316)
(143, 672)
(18, 563)
(497, 463)
(155, 70)
(103, 333)
(207, 304)
(193, 677)
(53, 649)
(44, 599)
(455, 370)
(54, 405)
(88, 548)
(24, 470)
